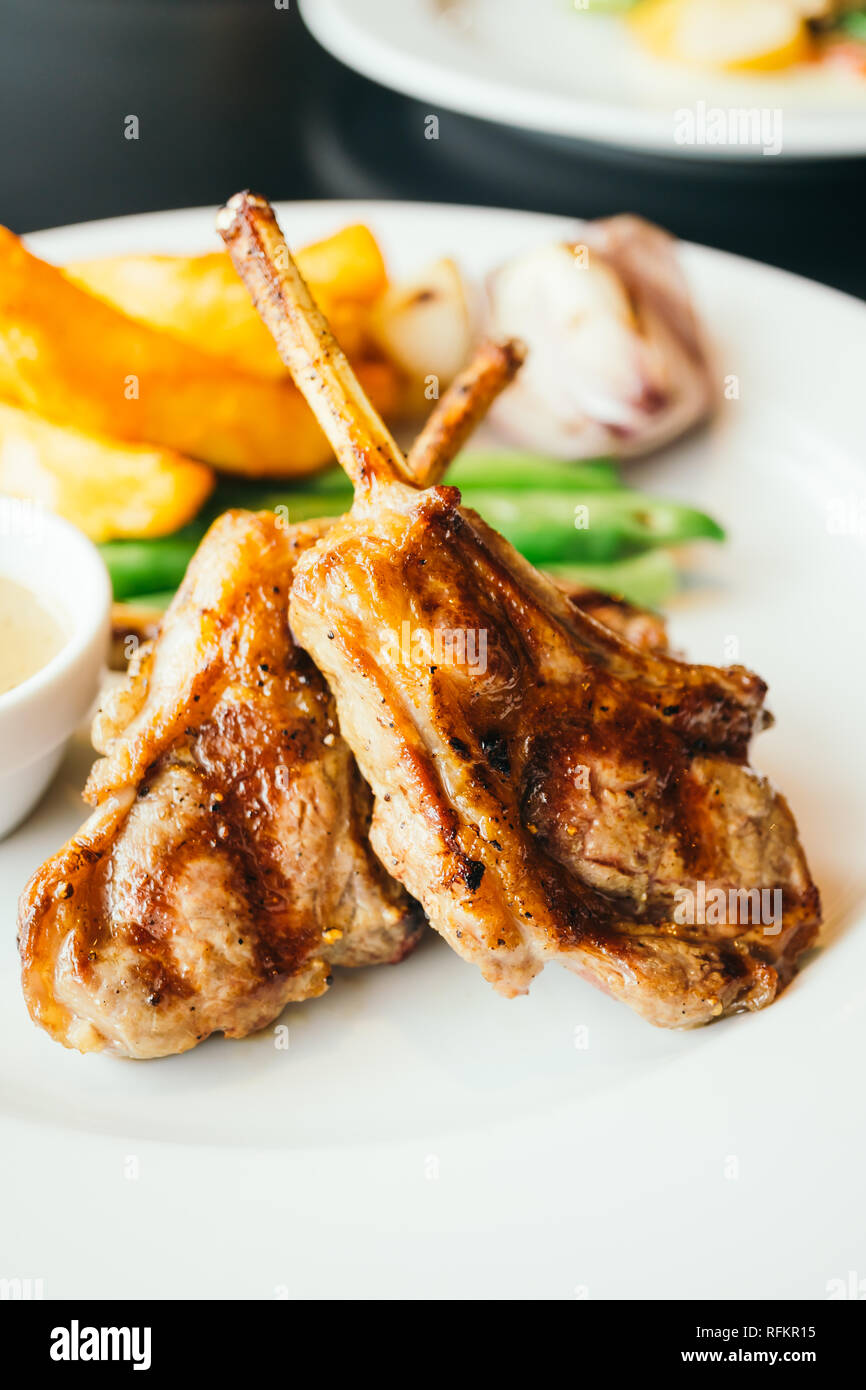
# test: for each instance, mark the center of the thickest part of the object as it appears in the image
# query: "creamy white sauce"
(29, 635)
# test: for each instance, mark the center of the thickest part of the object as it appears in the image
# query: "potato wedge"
(201, 301)
(197, 299)
(79, 362)
(111, 491)
(345, 266)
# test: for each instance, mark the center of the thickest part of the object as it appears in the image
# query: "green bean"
(588, 528)
(555, 513)
(526, 472)
(648, 580)
(143, 567)
(146, 566)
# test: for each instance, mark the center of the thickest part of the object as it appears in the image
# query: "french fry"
(79, 362)
(111, 491)
(201, 301)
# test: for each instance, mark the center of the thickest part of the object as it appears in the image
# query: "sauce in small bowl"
(55, 607)
(30, 636)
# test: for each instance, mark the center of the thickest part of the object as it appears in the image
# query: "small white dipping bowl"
(66, 573)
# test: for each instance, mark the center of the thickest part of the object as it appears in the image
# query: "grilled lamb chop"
(121, 950)
(561, 798)
(226, 866)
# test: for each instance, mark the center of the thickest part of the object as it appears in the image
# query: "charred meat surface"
(544, 788)
(226, 865)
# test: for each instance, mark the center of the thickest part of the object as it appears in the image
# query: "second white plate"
(552, 66)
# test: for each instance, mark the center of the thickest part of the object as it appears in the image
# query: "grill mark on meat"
(243, 765)
(229, 835)
(472, 871)
(485, 727)
(403, 553)
(495, 750)
(155, 967)
(706, 715)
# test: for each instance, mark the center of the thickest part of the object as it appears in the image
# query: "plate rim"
(698, 249)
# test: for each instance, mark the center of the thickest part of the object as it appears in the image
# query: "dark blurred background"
(235, 93)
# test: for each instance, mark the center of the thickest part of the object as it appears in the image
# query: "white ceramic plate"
(421, 1136)
(549, 65)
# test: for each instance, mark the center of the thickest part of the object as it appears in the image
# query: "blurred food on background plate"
(757, 36)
